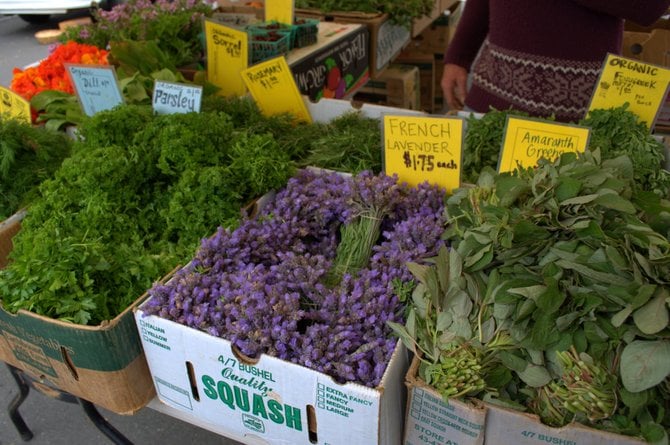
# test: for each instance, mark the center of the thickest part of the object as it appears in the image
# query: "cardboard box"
(398, 86)
(509, 426)
(336, 65)
(386, 39)
(435, 38)
(432, 421)
(268, 399)
(426, 65)
(421, 23)
(651, 47)
(9, 228)
(102, 364)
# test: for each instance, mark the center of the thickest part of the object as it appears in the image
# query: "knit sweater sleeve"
(470, 33)
(642, 12)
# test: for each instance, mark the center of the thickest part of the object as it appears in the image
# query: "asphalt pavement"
(56, 422)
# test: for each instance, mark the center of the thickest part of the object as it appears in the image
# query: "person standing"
(538, 56)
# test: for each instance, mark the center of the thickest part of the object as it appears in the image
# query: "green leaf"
(620, 317)
(644, 364)
(577, 200)
(535, 376)
(444, 320)
(419, 271)
(401, 332)
(551, 299)
(653, 317)
(611, 200)
(512, 361)
(567, 188)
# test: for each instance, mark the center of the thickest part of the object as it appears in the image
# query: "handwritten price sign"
(526, 141)
(273, 87)
(14, 106)
(227, 56)
(280, 11)
(420, 149)
(96, 87)
(642, 85)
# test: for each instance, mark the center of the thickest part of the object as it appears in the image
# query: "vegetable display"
(401, 13)
(127, 208)
(558, 276)
(28, 156)
(175, 24)
(267, 286)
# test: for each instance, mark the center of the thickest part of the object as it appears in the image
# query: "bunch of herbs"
(120, 213)
(401, 13)
(561, 257)
(28, 156)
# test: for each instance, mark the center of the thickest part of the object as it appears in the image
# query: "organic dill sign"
(526, 141)
(419, 148)
(96, 87)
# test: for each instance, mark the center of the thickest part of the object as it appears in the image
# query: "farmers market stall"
(312, 275)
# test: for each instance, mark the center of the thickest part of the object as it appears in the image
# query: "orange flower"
(50, 73)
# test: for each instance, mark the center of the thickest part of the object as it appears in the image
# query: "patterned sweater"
(541, 56)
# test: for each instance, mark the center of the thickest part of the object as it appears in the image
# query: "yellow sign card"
(420, 148)
(273, 87)
(526, 141)
(14, 106)
(642, 85)
(280, 11)
(227, 56)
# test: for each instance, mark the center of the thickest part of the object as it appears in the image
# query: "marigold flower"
(50, 73)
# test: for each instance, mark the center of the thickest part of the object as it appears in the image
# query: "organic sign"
(169, 98)
(14, 106)
(642, 85)
(280, 11)
(273, 88)
(528, 140)
(419, 149)
(96, 87)
(227, 56)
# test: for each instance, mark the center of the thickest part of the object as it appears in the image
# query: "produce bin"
(268, 399)
(430, 420)
(102, 364)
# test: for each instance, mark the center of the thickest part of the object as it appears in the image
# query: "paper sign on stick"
(169, 98)
(96, 87)
(641, 84)
(526, 141)
(419, 149)
(227, 56)
(273, 87)
(14, 106)
(280, 11)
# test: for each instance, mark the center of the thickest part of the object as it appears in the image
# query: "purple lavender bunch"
(261, 286)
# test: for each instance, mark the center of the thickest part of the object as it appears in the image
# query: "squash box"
(102, 364)
(268, 400)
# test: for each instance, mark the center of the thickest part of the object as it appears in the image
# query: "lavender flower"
(261, 286)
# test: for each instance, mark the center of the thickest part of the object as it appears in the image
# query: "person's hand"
(454, 85)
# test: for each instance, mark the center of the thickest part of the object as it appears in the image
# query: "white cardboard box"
(506, 426)
(270, 401)
(432, 421)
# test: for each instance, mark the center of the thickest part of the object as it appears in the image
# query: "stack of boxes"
(425, 52)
